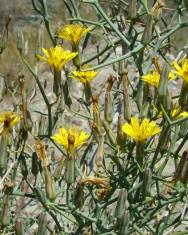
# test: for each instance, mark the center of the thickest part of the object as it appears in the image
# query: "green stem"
(120, 58)
(103, 14)
(161, 138)
(43, 95)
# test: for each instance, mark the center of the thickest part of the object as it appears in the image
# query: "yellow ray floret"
(84, 76)
(70, 138)
(140, 131)
(57, 57)
(153, 78)
(177, 112)
(8, 120)
(181, 69)
(72, 33)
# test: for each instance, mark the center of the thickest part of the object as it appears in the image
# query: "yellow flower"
(84, 76)
(153, 78)
(8, 120)
(70, 138)
(57, 57)
(181, 69)
(72, 33)
(140, 131)
(177, 112)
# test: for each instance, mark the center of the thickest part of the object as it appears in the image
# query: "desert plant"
(104, 150)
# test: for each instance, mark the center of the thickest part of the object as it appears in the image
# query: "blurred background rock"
(24, 18)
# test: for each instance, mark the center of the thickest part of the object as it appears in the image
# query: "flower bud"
(122, 204)
(147, 180)
(39, 41)
(166, 142)
(124, 224)
(41, 152)
(145, 110)
(182, 169)
(2, 88)
(156, 9)
(108, 107)
(3, 151)
(147, 34)
(126, 98)
(49, 184)
(184, 128)
(42, 228)
(100, 152)
(59, 168)
(96, 112)
(132, 9)
(102, 193)
(156, 63)
(27, 122)
(52, 153)
(4, 36)
(95, 181)
(163, 89)
(79, 195)
(20, 42)
(23, 132)
(23, 165)
(121, 136)
(108, 99)
(110, 82)
(35, 164)
(19, 228)
(4, 216)
(42, 126)
(186, 5)
(2, 44)
(183, 98)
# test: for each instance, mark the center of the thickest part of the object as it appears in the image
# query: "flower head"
(177, 112)
(41, 152)
(181, 69)
(84, 76)
(70, 138)
(8, 120)
(57, 57)
(140, 131)
(95, 181)
(153, 78)
(72, 33)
